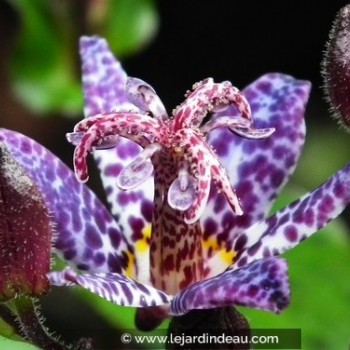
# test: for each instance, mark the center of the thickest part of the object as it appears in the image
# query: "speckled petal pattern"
(113, 287)
(288, 227)
(86, 234)
(258, 169)
(104, 82)
(103, 78)
(261, 285)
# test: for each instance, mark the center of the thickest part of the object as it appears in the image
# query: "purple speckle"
(253, 249)
(291, 233)
(99, 259)
(252, 291)
(123, 198)
(70, 254)
(83, 267)
(115, 263)
(26, 147)
(137, 226)
(92, 237)
(210, 227)
(113, 170)
(277, 178)
(115, 237)
(147, 210)
(220, 203)
(240, 243)
(128, 150)
(265, 87)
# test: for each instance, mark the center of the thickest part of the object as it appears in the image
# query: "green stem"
(9, 318)
(31, 327)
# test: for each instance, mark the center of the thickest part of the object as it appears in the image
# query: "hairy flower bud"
(336, 68)
(25, 232)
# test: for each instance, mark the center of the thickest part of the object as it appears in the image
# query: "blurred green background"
(172, 44)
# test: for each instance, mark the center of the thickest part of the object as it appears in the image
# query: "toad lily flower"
(189, 193)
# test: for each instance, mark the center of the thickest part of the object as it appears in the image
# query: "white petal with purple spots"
(113, 287)
(87, 237)
(258, 169)
(104, 82)
(291, 225)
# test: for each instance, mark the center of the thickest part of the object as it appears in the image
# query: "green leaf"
(43, 67)
(324, 153)
(130, 25)
(15, 345)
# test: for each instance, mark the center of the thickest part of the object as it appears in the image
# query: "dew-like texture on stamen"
(113, 287)
(258, 169)
(25, 232)
(293, 224)
(262, 285)
(86, 235)
(336, 68)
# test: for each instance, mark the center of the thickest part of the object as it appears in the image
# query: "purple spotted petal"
(113, 287)
(288, 227)
(104, 82)
(261, 285)
(103, 78)
(87, 236)
(258, 169)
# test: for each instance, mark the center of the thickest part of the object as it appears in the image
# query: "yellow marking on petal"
(228, 256)
(130, 269)
(142, 245)
(211, 243)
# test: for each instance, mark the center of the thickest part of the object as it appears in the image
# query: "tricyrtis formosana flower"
(25, 232)
(189, 191)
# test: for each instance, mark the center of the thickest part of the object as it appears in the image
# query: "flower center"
(184, 165)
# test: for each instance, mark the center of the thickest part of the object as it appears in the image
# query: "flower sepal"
(25, 232)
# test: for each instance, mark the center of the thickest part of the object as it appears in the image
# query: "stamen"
(138, 171)
(182, 192)
(225, 121)
(109, 141)
(252, 133)
(144, 97)
(207, 97)
(74, 137)
(184, 179)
